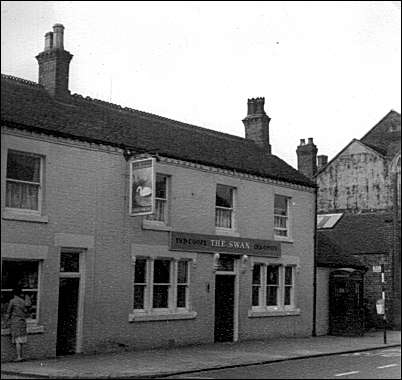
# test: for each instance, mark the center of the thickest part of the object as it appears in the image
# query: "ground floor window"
(272, 286)
(23, 274)
(161, 285)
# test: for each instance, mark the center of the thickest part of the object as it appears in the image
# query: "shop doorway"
(67, 316)
(68, 320)
(224, 308)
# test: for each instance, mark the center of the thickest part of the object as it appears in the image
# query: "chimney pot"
(250, 107)
(322, 160)
(310, 140)
(58, 31)
(48, 41)
(302, 142)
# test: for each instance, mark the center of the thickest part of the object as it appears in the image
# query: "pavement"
(182, 360)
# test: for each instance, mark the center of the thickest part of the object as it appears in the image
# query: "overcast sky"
(327, 70)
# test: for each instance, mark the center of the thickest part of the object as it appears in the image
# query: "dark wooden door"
(224, 308)
(67, 316)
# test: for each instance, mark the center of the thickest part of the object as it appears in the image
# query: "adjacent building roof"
(27, 105)
(385, 136)
(354, 234)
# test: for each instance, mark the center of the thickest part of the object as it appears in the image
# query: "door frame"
(81, 294)
(234, 273)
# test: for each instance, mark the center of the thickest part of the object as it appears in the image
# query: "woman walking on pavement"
(17, 314)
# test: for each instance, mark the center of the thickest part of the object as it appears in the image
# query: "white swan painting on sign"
(142, 186)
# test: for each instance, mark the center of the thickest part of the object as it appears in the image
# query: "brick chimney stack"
(322, 160)
(54, 63)
(256, 123)
(307, 158)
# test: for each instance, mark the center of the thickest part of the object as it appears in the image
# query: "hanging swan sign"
(142, 186)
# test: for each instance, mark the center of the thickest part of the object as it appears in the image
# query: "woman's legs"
(18, 346)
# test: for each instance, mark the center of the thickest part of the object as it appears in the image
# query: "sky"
(327, 70)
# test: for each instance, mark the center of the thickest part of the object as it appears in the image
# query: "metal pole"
(383, 297)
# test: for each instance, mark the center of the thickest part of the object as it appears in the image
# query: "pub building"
(129, 230)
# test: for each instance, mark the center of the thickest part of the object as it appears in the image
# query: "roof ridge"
(21, 80)
(148, 114)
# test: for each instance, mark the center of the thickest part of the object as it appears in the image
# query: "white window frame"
(231, 209)
(291, 286)
(30, 321)
(288, 219)
(280, 309)
(172, 311)
(149, 219)
(24, 211)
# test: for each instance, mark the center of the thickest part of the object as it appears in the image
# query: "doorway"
(346, 311)
(68, 318)
(224, 308)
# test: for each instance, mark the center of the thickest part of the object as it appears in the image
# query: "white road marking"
(388, 366)
(346, 373)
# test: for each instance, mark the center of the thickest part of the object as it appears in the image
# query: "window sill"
(13, 215)
(283, 239)
(153, 225)
(137, 317)
(273, 313)
(31, 329)
(226, 231)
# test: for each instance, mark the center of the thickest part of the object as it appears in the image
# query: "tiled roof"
(354, 234)
(27, 105)
(385, 136)
(331, 255)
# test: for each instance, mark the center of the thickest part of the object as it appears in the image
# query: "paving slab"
(180, 360)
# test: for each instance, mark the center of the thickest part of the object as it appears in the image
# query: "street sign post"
(383, 299)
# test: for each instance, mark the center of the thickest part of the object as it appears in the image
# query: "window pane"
(226, 263)
(23, 166)
(5, 299)
(22, 195)
(161, 295)
(256, 296)
(272, 295)
(139, 291)
(288, 293)
(223, 218)
(160, 186)
(162, 271)
(182, 270)
(224, 196)
(272, 275)
(140, 271)
(69, 262)
(19, 273)
(257, 274)
(281, 205)
(181, 296)
(288, 275)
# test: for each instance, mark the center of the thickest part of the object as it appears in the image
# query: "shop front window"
(23, 274)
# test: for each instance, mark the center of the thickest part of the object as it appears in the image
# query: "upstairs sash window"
(23, 182)
(281, 216)
(224, 207)
(161, 200)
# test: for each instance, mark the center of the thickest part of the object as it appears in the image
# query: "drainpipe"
(314, 333)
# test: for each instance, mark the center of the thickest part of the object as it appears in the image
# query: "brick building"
(359, 206)
(226, 254)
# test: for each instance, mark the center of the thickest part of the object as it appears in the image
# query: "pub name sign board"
(181, 241)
